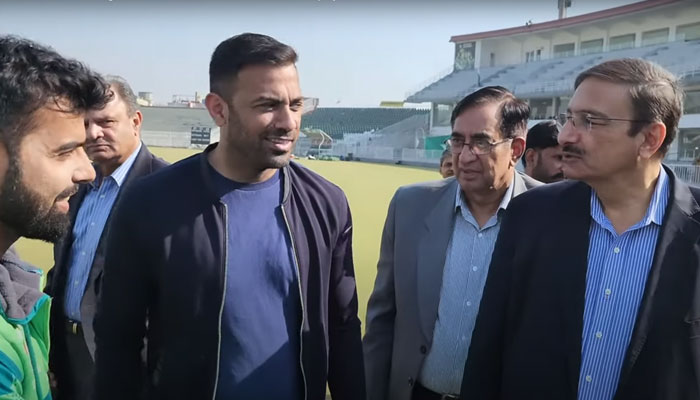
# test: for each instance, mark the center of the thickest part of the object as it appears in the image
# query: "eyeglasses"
(479, 146)
(588, 121)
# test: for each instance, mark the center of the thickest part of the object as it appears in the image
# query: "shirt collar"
(461, 204)
(119, 174)
(655, 212)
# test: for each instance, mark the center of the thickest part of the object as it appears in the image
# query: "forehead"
(115, 107)
(482, 118)
(602, 97)
(271, 80)
(53, 127)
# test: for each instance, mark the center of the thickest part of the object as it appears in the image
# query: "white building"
(539, 62)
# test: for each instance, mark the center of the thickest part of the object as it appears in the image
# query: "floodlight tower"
(563, 5)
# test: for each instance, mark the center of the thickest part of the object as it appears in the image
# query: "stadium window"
(688, 32)
(564, 50)
(622, 42)
(691, 104)
(655, 37)
(492, 60)
(592, 46)
(688, 144)
(530, 56)
(538, 54)
(541, 108)
(442, 114)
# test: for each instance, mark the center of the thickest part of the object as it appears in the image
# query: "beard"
(26, 213)
(252, 145)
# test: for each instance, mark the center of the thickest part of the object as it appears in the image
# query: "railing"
(421, 156)
(544, 87)
(418, 87)
(687, 173)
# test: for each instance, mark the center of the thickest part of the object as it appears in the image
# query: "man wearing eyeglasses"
(594, 291)
(435, 254)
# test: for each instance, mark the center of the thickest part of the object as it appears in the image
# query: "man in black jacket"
(594, 291)
(241, 260)
(114, 145)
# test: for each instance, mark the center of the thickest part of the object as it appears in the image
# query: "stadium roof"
(175, 119)
(566, 22)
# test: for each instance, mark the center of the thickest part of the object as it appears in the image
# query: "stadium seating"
(338, 121)
(552, 77)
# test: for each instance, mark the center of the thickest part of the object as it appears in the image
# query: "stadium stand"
(337, 122)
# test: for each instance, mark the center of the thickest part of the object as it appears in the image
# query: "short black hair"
(445, 155)
(514, 112)
(33, 76)
(541, 136)
(240, 51)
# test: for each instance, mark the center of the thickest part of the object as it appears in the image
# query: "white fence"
(687, 173)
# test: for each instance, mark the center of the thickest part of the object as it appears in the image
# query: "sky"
(352, 53)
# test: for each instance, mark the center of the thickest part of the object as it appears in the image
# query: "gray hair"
(125, 93)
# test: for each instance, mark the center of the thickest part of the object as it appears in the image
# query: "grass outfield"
(369, 188)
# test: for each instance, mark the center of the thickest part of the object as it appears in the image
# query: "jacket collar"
(285, 176)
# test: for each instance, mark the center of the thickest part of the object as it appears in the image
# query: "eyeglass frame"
(457, 150)
(563, 118)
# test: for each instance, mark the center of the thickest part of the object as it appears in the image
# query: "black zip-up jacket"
(166, 259)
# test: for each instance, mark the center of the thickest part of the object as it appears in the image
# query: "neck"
(235, 166)
(625, 197)
(108, 168)
(484, 204)
(7, 238)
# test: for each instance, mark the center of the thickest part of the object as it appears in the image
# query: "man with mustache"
(114, 145)
(435, 253)
(594, 289)
(240, 259)
(542, 159)
(44, 100)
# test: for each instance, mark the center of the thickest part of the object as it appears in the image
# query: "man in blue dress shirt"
(114, 145)
(435, 253)
(593, 288)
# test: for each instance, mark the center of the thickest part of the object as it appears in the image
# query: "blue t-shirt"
(260, 350)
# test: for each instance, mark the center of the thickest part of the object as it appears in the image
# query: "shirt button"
(589, 378)
(75, 283)
(423, 349)
(599, 335)
(480, 235)
(608, 292)
(102, 196)
(92, 224)
(469, 304)
(616, 250)
(82, 253)
(475, 268)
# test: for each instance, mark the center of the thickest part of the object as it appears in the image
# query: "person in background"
(543, 155)
(446, 169)
(119, 157)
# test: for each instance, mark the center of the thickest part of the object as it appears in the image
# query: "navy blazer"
(527, 339)
(144, 164)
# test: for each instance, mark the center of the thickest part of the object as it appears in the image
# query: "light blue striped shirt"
(618, 267)
(466, 266)
(87, 231)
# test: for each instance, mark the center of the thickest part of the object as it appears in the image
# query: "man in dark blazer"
(593, 288)
(435, 253)
(114, 145)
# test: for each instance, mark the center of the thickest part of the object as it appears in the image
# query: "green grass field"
(369, 188)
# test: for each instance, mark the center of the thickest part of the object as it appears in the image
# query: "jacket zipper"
(301, 300)
(223, 300)
(32, 358)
